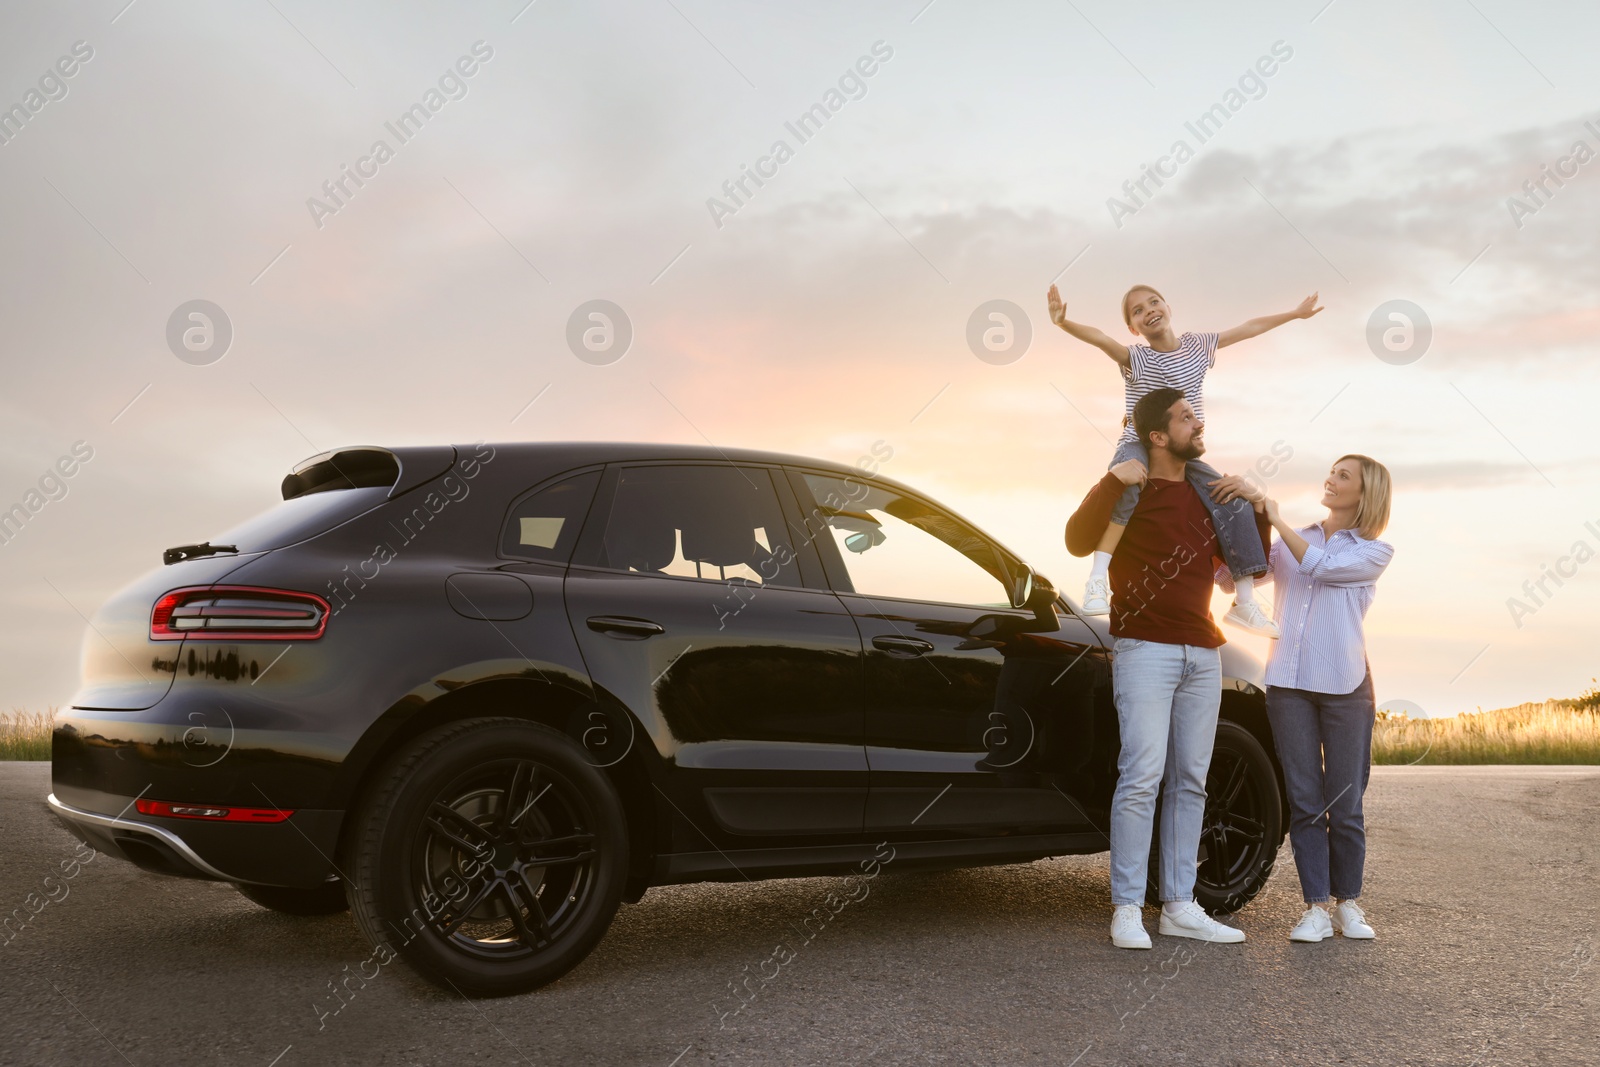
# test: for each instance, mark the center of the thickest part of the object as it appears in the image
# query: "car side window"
(544, 525)
(714, 522)
(894, 545)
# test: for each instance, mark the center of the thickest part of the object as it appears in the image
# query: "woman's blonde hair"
(1136, 289)
(1372, 514)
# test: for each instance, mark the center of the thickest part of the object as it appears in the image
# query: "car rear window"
(305, 516)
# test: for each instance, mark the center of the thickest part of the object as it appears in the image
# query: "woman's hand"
(1233, 487)
(1058, 310)
(1269, 507)
(1308, 307)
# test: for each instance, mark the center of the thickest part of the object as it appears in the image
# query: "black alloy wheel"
(491, 856)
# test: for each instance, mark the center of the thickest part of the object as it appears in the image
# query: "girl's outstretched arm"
(1256, 327)
(1088, 334)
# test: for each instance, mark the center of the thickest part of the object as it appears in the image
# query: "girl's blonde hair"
(1372, 514)
(1136, 289)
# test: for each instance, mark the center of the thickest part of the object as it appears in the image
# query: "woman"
(1319, 688)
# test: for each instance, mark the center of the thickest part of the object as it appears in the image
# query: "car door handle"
(902, 646)
(624, 628)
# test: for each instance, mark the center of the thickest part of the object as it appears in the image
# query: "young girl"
(1179, 361)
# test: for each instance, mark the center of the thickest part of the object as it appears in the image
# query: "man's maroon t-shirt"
(1164, 566)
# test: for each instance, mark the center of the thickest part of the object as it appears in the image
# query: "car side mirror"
(1022, 584)
(1034, 592)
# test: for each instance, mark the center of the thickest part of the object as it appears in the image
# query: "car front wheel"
(491, 855)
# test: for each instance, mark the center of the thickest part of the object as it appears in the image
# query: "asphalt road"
(1483, 883)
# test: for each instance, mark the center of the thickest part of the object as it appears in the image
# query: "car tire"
(490, 854)
(1242, 827)
(327, 899)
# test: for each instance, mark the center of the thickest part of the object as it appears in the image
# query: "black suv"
(483, 694)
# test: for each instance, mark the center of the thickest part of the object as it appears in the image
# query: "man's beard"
(1193, 450)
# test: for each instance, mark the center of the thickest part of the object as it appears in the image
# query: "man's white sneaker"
(1097, 597)
(1251, 617)
(1127, 927)
(1188, 919)
(1314, 925)
(1351, 921)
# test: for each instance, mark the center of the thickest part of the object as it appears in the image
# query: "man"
(1166, 674)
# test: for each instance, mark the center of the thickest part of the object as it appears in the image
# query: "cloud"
(1462, 474)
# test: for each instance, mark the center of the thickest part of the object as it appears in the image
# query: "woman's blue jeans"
(1324, 742)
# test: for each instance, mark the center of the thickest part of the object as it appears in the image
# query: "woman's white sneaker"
(1188, 919)
(1127, 927)
(1314, 925)
(1097, 597)
(1351, 921)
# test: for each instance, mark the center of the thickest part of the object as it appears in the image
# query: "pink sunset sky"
(1383, 158)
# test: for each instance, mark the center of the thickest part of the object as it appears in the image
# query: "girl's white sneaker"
(1097, 597)
(1351, 921)
(1314, 925)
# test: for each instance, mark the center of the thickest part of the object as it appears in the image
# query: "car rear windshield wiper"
(204, 548)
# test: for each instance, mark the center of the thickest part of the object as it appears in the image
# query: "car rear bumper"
(297, 852)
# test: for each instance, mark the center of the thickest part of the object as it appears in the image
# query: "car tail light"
(238, 613)
(215, 812)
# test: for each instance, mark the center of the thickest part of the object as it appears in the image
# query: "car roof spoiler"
(400, 470)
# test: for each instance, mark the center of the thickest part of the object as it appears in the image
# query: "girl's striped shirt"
(1184, 369)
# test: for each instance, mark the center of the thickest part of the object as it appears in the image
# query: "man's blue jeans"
(1324, 742)
(1167, 700)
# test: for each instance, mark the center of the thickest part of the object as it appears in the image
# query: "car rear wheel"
(1241, 829)
(491, 855)
(327, 899)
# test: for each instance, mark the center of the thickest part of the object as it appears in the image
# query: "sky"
(825, 311)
